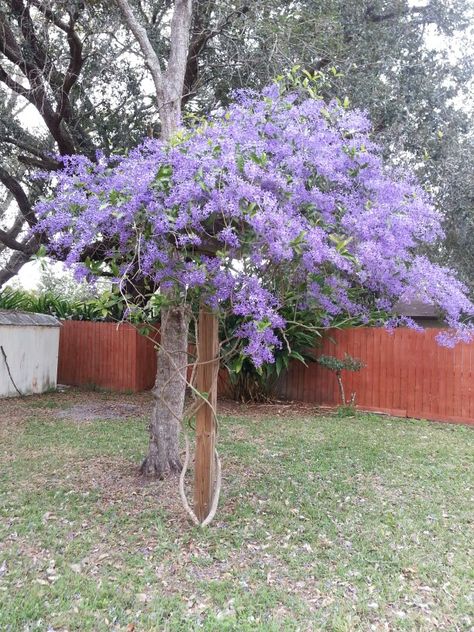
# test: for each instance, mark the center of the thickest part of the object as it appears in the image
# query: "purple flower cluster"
(280, 191)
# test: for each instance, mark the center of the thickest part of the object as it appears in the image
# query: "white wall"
(32, 354)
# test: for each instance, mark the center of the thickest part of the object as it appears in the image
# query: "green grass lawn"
(325, 523)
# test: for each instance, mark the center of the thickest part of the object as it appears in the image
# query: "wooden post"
(206, 381)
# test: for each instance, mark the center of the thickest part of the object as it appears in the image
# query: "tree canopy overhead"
(277, 191)
(78, 67)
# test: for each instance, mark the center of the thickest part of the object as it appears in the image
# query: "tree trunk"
(170, 385)
(169, 391)
(341, 388)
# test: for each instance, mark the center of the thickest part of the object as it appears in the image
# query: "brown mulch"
(228, 407)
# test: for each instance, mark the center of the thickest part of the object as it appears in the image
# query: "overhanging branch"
(20, 196)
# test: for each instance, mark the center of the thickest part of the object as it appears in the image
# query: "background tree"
(409, 64)
(337, 366)
(58, 61)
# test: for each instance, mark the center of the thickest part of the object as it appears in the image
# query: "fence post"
(206, 381)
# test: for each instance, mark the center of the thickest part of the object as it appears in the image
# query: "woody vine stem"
(200, 399)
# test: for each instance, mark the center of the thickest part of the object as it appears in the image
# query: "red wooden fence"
(107, 355)
(408, 375)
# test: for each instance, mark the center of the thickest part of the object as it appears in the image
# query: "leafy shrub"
(337, 366)
(15, 299)
(251, 384)
(108, 305)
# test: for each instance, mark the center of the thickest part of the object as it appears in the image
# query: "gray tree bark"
(169, 392)
(170, 385)
(168, 84)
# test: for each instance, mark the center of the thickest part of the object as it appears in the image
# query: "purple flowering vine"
(280, 193)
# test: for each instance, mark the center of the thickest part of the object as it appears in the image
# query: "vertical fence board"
(449, 404)
(428, 353)
(441, 370)
(457, 376)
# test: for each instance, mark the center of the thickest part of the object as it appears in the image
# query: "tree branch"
(10, 241)
(14, 231)
(168, 86)
(151, 58)
(13, 265)
(372, 16)
(9, 46)
(72, 73)
(15, 86)
(199, 40)
(50, 15)
(44, 161)
(27, 28)
(20, 196)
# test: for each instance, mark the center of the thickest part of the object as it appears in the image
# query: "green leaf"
(279, 365)
(297, 356)
(240, 163)
(42, 251)
(237, 364)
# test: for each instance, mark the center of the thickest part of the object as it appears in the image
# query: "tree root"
(151, 468)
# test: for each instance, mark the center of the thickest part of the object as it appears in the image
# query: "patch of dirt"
(229, 407)
(100, 410)
(75, 404)
(13, 409)
(83, 405)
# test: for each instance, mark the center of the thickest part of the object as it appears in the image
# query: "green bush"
(337, 366)
(251, 384)
(108, 305)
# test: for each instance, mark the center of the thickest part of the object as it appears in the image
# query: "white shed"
(29, 345)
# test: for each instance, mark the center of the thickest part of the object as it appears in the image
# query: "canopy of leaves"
(290, 187)
(347, 363)
(77, 68)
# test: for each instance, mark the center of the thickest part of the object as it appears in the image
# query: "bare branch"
(168, 87)
(20, 196)
(141, 35)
